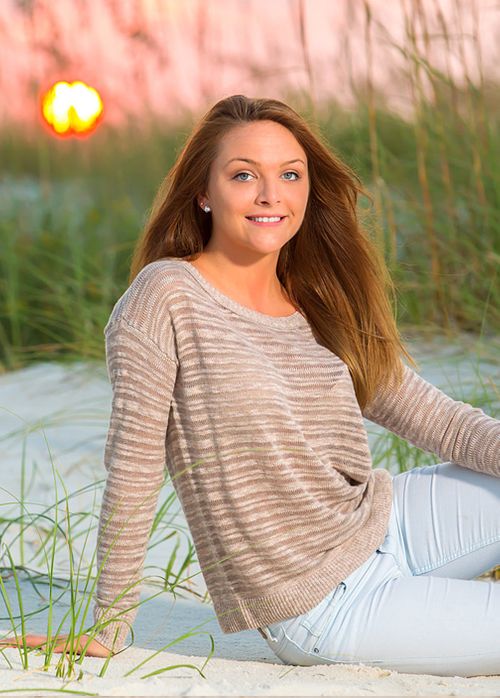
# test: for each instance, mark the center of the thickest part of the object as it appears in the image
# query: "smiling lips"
(266, 220)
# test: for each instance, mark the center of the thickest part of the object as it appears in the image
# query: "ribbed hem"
(235, 614)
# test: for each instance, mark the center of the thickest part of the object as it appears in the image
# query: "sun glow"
(72, 108)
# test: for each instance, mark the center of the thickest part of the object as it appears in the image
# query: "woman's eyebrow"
(254, 162)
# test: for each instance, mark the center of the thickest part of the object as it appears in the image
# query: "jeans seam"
(292, 641)
(452, 558)
(400, 555)
(336, 596)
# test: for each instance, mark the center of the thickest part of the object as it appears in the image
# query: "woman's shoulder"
(162, 274)
(149, 296)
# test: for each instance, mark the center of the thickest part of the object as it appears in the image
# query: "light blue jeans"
(414, 605)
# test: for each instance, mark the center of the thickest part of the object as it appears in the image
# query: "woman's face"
(271, 185)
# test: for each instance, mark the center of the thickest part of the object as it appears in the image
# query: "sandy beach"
(61, 414)
(243, 677)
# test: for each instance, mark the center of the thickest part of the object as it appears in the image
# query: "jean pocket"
(292, 640)
(315, 620)
(275, 637)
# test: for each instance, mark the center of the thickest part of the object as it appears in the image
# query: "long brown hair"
(330, 269)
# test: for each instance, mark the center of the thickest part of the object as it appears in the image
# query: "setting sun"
(72, 108)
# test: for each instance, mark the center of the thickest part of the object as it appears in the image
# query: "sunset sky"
(161, 57)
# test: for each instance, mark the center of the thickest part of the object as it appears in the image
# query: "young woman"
(255, 335)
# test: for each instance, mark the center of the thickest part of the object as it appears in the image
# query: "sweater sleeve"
(142, 378)
(431, 420)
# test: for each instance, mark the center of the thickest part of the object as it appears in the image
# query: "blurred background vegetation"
(71, 210)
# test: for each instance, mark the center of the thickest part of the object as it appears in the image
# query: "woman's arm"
(142, 378)
(431, 420)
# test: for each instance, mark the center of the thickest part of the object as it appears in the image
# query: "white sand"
(73, 407)
(242, 677)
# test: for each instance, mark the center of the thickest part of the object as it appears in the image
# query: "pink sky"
(166, 56)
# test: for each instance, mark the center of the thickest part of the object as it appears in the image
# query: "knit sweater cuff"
(478, 444)
(113, 635)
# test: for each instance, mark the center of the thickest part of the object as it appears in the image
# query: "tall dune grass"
(71, 212)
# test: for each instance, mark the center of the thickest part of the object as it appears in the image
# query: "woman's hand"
(94, 649)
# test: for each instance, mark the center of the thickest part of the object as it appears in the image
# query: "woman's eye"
(247, 173)
(239, 175)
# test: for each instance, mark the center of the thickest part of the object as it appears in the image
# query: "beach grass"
(56, 529)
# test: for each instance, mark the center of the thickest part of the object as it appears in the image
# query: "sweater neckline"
(293, 320)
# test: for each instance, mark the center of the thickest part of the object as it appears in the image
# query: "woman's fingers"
(31, 641)
(94, 648)
(8, 642)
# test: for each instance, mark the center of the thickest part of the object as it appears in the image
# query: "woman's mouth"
(266, 220)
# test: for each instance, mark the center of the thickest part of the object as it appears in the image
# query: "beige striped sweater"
(262, 435)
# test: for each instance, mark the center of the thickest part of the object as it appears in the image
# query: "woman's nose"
(269, 193)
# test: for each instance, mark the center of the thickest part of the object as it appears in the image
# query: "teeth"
(265, 219)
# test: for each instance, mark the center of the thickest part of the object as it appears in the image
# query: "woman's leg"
(449, 520)
(440, 619)
(404, 608)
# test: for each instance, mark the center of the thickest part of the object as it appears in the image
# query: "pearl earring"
(206, 208)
